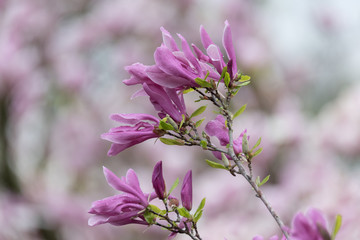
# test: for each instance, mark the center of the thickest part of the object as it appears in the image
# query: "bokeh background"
(61, 71)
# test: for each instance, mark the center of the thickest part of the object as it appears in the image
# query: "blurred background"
(61, 71)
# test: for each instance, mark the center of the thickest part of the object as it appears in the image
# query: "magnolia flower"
(158, 181)
(186, 191)
(177, 68)
(218, 129)
(143, 127)
(310, 226)
(121, 209)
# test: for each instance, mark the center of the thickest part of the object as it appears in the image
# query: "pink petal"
(205, 39)
(168, 63)
(229, 47)
(190, 56)
(168, 40)
(133, 118)
(163, 79)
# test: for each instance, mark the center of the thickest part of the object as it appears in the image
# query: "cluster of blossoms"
(133, 205)
(164, 83)
(175, 73)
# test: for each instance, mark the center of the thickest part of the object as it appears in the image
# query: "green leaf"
(264, 180)
(203, 144)
(337, 226)
(169, 141)
(198, 123)
(154, 208)
(244, 78)
(240, 111)
(197, 216)
(198, 111)
(215, 164)
(203, 83)
(188, 90)
(207, 74)
(257, 180)
(184, 212)
(222, 75)
(227, 79)
(165, 126)
(182, 121)
(237, 90)
(175, 184)
(224, 71)
(256, 144)
(150, 218)
(244, 84)
(255, 153)
(201, 206)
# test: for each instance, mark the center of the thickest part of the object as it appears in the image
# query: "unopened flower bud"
(245, 144)
(173, 202)
(158, 181)
(225, 160)
(186, 191)
(172, 122)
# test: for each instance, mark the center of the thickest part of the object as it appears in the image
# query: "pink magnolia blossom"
(143, 127)
(124, 208)
(311, 226)
(177, 68)
(218, 129)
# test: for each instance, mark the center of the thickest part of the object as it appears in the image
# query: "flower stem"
(225, 107)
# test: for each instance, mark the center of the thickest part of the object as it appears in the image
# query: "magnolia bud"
(172, 122)
(173, 202)
(225, 160)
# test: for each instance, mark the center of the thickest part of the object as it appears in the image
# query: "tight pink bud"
(186, 191)
(158, 181)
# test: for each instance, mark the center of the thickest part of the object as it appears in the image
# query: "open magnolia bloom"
(124, 208)
(133, 206)
(178, 68)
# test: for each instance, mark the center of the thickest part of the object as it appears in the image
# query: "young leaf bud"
(245, 144)
(225, 160)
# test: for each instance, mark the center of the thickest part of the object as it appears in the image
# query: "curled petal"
(229, 48)
(168, 63)
(168, 40)
(163, 79)
(138, 74)
(133, 118)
